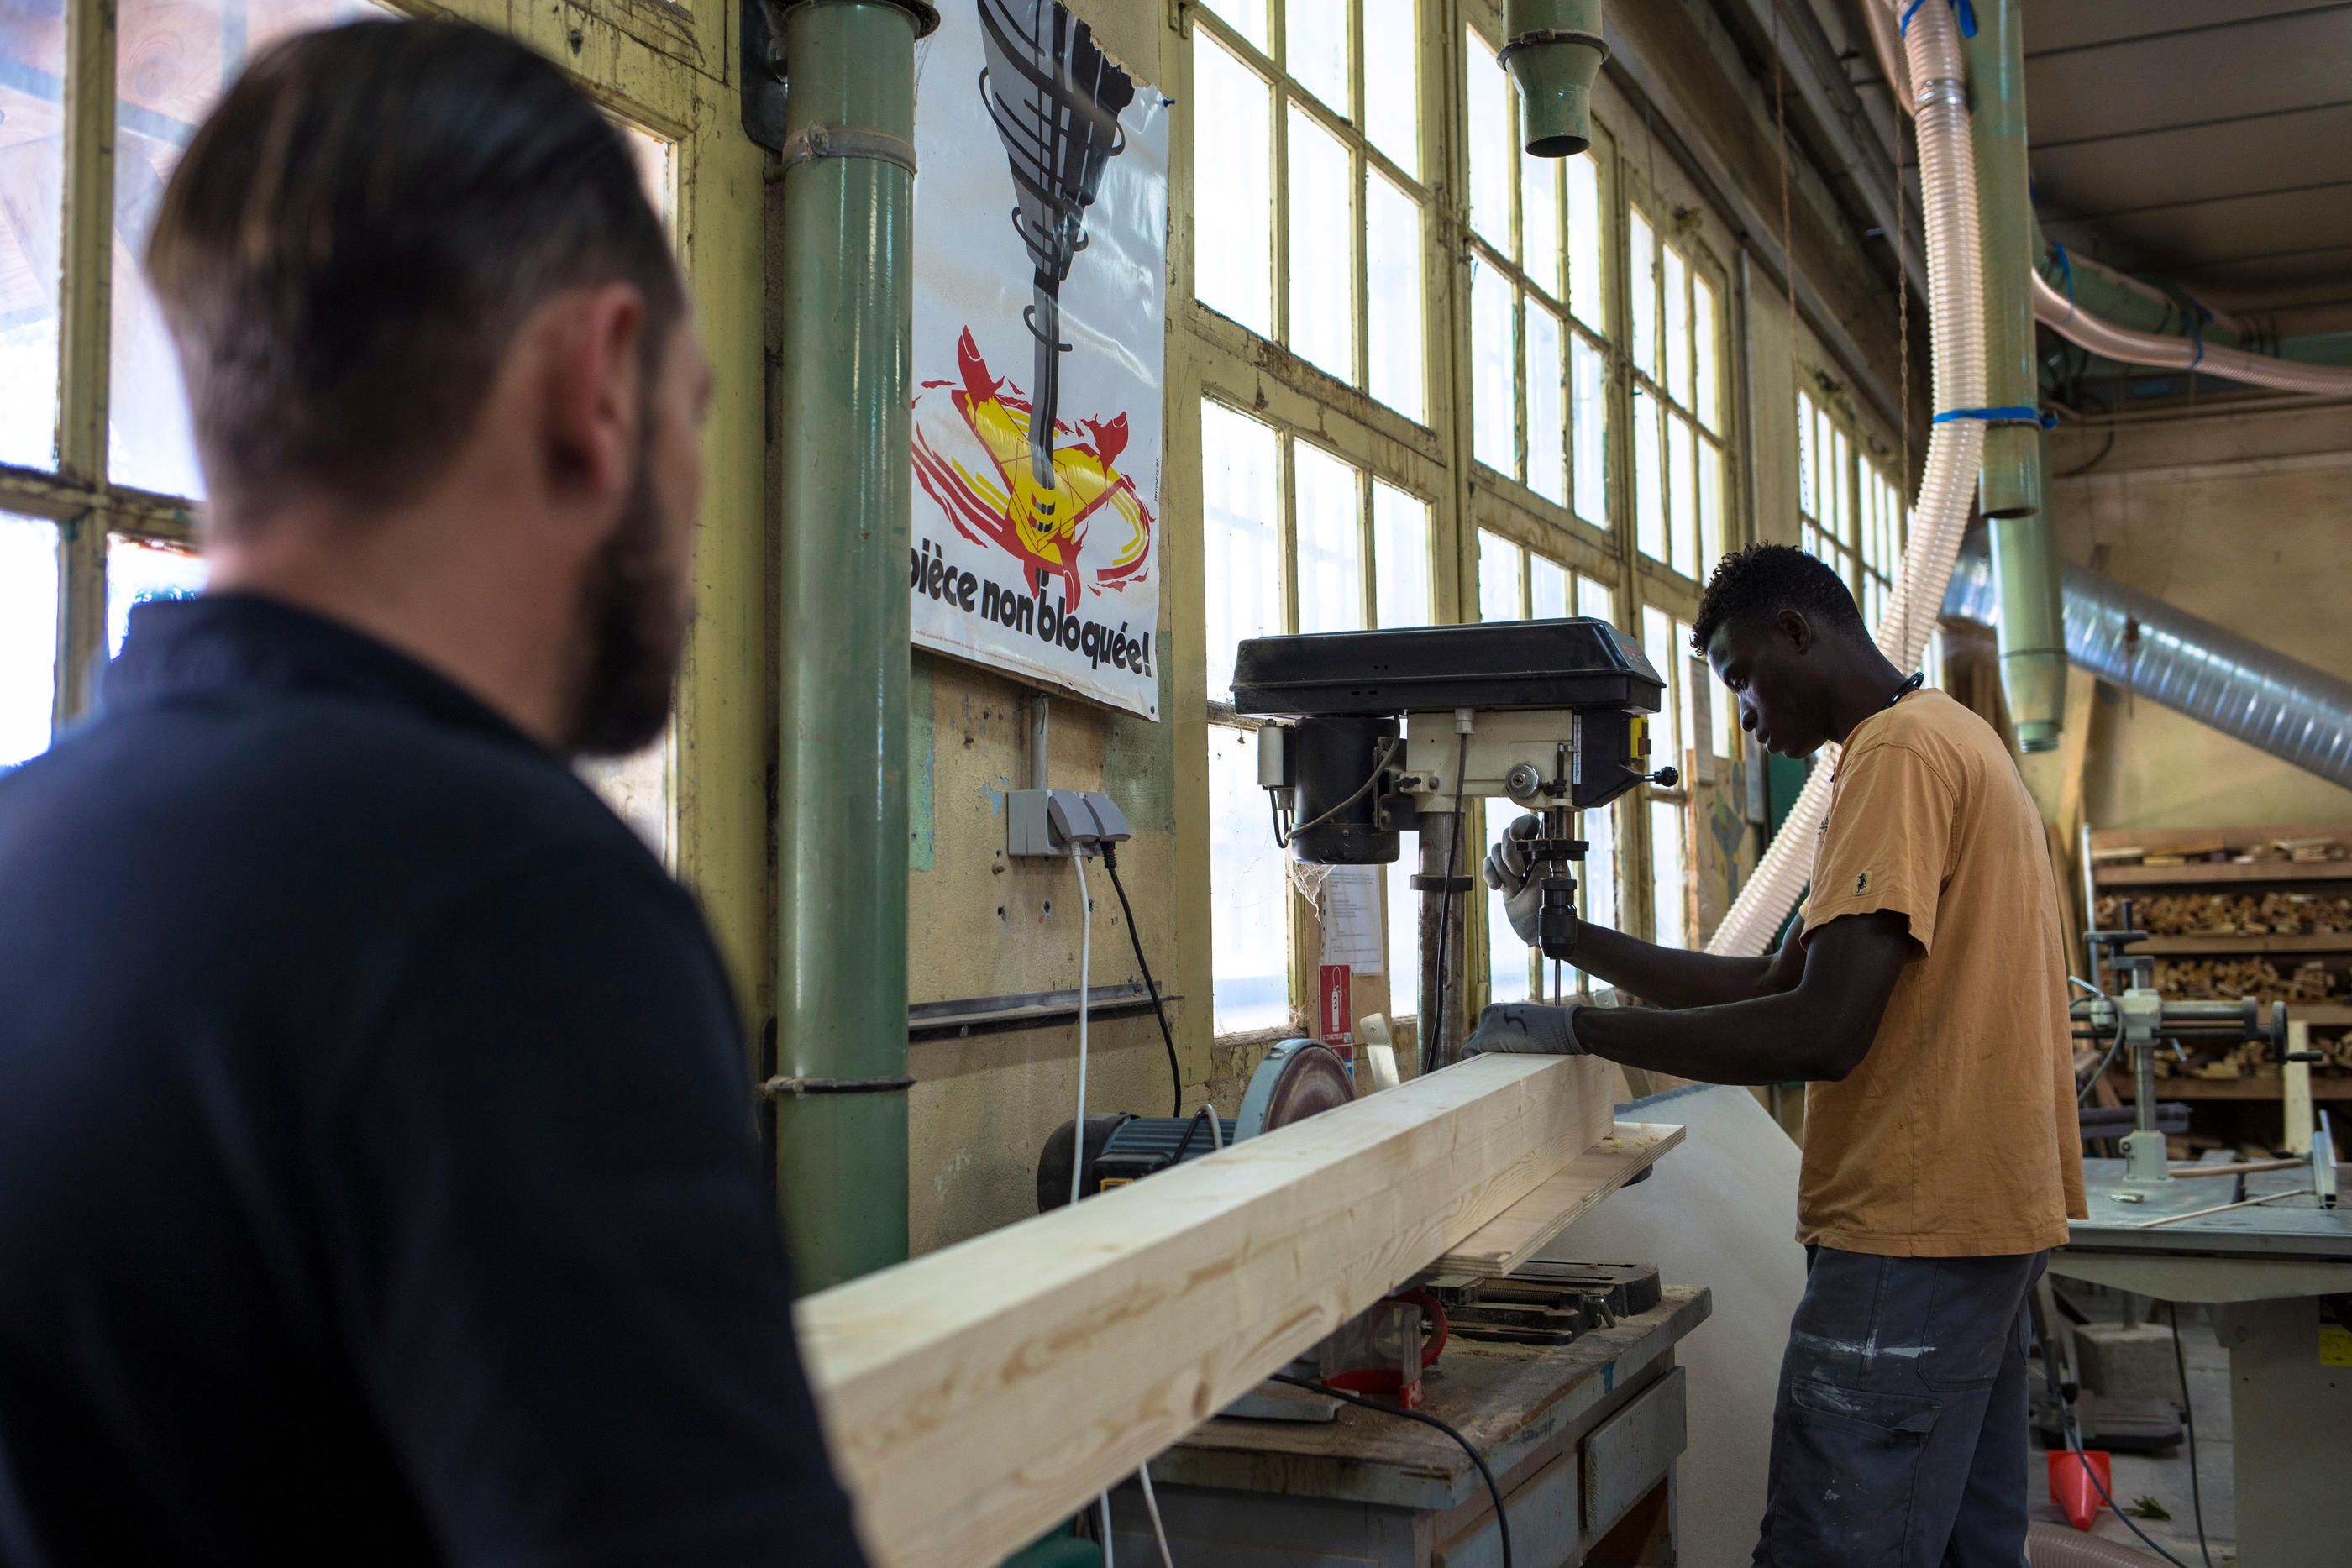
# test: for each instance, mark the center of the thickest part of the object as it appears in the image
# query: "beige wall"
(983, 925)
(2239, 519)
(984, 1106)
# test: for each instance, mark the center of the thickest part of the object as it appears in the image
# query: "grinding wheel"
(1297, 1079)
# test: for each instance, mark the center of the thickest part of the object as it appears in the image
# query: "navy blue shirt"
(377, 1176)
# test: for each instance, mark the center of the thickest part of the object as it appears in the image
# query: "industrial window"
(1677, 327)
(94, 427)
(1308, 198)
(1538, 356)
(1849, 514)
(1516, 583)
(1295, 538)
(1665, 640)
(98, 469)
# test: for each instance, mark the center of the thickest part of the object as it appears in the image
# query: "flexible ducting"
(2080, 326)
(2125, 344)
(2049, 1545)
(2208, 673)
(1956, 317)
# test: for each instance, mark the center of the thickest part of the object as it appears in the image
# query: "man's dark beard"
(634, 628)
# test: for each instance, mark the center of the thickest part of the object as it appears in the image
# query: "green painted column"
(843, 409)
(2010, 477)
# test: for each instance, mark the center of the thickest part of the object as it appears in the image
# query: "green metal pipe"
(2012, 476)
(844, 385)
(2032, 632)
(1553, 50)
(2009, 475)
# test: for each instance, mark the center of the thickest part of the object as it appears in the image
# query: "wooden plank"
(2209, 872)
(2233, 941)
(974, 1397)
(1523, 1229)
(2172, 841)
(2230, 1088)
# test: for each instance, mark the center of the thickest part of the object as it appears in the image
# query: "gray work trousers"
(1899, 1434)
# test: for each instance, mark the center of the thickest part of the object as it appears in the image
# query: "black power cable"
(1501, 1520)
(1445, 909)
(1167, 1035)
(2074, 1445)
(2189, 1419)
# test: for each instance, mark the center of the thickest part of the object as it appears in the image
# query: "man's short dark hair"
(351, 240)
(1766, 578)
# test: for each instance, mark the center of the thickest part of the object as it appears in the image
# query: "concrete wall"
(2239, 518)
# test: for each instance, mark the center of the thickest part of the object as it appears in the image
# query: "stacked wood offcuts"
(2232, 915)
(2173, 848)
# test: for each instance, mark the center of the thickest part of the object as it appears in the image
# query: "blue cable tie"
(2067, 268)
(2015, 414)
(1966, 10)
(2196, 333)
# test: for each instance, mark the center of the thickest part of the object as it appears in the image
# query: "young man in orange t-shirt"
(1923, 998)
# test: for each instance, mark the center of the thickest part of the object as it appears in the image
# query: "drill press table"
(2278, 1276)
(1581, 1438)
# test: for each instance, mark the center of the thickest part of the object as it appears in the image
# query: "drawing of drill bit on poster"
(1054, 99)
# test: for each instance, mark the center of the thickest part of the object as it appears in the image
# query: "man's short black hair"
(353, 238)
(1766, 578)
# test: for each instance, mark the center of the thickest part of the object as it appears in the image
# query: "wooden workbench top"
(1510, 1400)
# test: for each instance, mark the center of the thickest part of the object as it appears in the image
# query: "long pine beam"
(979, 1394)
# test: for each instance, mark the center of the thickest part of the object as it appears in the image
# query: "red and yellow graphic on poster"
(1038, 353)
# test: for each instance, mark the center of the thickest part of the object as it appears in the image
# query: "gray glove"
(1525, 1028)
(1520, 883)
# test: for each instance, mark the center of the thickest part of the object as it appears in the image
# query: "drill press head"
(1374, 727)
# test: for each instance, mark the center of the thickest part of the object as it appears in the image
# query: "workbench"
(1581, 1438)
(2278, 1277)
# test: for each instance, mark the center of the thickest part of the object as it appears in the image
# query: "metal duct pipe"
(845, 382)
(2009, 472)
(1553, 50)
(2212, 674)
(2033, 623)
(2011, 476)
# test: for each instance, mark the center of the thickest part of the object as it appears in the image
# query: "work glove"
(1525, 1028)
(1520, 883)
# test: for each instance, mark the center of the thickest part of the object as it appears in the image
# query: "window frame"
(1213, 356)
(1600, 337)
(1364, 158)
(1871, 583)
(1699, 263)
(656, 74)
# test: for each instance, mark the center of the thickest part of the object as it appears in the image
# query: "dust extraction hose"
(2080, 326)
(2049, 1545)
(1948, 183)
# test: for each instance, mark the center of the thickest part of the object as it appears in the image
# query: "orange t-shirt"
(1956, 1136)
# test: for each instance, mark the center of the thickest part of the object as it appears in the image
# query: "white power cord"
(1079, 1167)
(1151, 1506)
